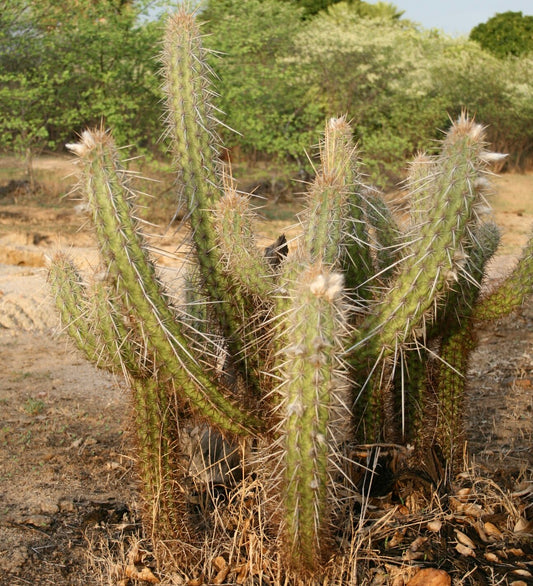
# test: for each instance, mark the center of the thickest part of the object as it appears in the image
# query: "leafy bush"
(498, 92)
(261, 94)
(505, 34)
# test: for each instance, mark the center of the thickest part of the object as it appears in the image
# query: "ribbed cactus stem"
(387, 236)
(456, 331)
(98, 332)
(195, 144)
(314, 410)
(240, 256)
(514, 290)
(328, 196)
(119, 237)
(420, 186)
(70, 294)
(430, 266)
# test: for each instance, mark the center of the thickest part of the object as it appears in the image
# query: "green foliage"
(262, 96)
(364, 9)
(296, 356)
(498, 92)
(505, 34)
(65, 64)
(373, 70)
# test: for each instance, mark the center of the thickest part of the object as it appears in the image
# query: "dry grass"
(474, 530)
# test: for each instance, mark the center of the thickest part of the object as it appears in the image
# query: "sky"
(458, 17)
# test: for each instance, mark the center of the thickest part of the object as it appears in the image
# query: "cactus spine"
(295, 352)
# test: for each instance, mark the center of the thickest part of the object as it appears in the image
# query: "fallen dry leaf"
(492, 531)
(220, 578)
(396, 539)
(464, 550)
(242, 574)
(430, 577)
(516, 551)
(523, 526)
(523, 573)
(219, 563)
(434, 526)
(464, 539)
(481, 532)
(491, 557)
(473, 510)
(463, 493)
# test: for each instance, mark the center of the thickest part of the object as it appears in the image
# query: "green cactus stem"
(314, 408)
(71, 300)
(431, 260)
(514, 290)
(388, 236)
(107, 190)
(192, 126)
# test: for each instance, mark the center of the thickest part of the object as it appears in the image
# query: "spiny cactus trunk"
(361, 325)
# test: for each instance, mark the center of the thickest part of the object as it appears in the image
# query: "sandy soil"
(66, 470)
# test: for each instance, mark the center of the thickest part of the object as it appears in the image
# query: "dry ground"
(67, 475)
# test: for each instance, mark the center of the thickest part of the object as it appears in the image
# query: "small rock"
(37, 520)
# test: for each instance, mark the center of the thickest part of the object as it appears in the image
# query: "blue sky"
(458, 17)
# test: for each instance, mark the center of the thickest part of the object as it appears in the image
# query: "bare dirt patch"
(66, 469)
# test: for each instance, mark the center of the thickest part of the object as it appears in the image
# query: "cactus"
(299, 354)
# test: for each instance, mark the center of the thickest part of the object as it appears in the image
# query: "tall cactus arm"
(328, 195)
(334, 226)
(432, 262)
(98, 332)
(241, 258)
(191, 126)
(120, 241)
(455, 329)
(387, 235)
(514, 290)
(313, 407)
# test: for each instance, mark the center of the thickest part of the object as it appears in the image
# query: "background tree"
(262, 94)
(373, 70)
(365, 9)
(498, 92)
(64, 66)
(505, 34)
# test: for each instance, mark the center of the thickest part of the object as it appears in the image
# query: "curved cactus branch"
(107, 190)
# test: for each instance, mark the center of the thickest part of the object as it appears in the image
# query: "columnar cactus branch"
(314, 407)
(431, 262)
(328, 196)
(514, 290)
(192, 127)
(387, 235)
(240, 255)
(73, 305)
(120, 241)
